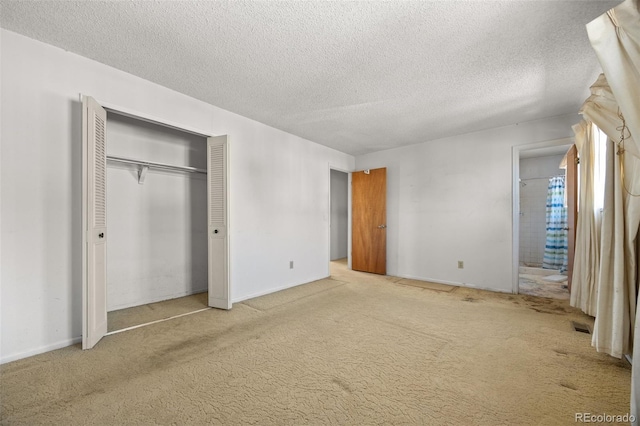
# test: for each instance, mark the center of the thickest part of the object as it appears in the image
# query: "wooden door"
(572, 207)
(218, 277)
(369, 221)
(94, 221)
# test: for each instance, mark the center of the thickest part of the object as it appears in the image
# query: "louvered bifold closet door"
(219, 294)
(94, 222)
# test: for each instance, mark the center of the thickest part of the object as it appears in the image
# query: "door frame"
(128, 112)
(331, 167)
(515, 199)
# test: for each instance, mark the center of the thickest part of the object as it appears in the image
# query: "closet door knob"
(101, 235)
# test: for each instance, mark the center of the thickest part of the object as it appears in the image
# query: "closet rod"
(153, 165)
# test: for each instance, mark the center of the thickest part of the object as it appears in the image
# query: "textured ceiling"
(355, 76)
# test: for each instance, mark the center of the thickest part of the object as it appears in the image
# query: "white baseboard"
(273, 290)
(455, 283)
(41, 350)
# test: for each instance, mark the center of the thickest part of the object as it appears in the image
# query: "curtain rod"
(543, 177)
(154, 165)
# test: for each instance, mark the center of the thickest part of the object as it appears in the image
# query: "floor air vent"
(582, 328)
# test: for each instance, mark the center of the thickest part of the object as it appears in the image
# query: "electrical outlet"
(460, 264)
(291, 264)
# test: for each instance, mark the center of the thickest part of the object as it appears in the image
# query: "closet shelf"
(146, 165)
(154, 165)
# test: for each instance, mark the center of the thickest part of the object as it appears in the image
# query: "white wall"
(533, 205)
(339, 214)
(451, 199)
(278, 200)
(157, 246)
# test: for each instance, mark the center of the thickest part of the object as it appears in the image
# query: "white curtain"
(587, 251)
(616, 293)
(616, 287)
(616, 284)
(615, 37)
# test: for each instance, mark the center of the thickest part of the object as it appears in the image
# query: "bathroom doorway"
(541, 225)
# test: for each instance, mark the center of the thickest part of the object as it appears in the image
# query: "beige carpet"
(354, 349)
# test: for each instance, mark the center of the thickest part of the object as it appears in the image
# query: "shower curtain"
(556, 249)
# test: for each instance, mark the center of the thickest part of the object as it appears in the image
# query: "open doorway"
(339, 219)
(541, 220)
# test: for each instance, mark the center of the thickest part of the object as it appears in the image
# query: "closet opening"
(157, 264)
(159, 223)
